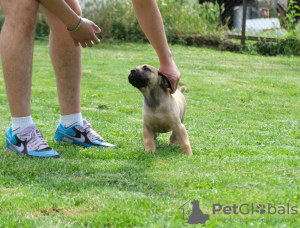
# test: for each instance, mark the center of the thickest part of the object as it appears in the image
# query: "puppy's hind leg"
(183, 139)
(173, 139)
(148, 139)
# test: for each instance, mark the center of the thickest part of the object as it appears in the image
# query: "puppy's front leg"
(182, 136)
(148, 139)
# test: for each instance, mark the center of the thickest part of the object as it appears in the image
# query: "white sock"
(20, 123)
(71, 120)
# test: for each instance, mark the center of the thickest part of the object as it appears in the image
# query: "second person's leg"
(66, 60)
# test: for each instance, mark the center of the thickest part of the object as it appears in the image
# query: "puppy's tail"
(182, 89)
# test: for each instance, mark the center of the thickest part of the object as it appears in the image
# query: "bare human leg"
(16, 47)
(151, 22)
(66, 60)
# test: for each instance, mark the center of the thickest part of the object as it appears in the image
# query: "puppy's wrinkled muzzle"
(137, 79)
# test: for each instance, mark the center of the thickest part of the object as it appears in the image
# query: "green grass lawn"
(243, 120)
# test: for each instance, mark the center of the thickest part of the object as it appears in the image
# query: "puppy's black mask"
(138, 79)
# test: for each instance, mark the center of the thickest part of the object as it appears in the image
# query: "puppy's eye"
(146, 68)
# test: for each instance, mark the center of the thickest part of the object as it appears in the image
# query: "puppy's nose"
(132, 71)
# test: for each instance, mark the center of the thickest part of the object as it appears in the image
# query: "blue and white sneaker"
(29, 142)
(82, 135)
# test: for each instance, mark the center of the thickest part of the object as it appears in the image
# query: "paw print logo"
(260, 209)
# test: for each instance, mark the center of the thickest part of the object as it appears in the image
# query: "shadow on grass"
(80, 169)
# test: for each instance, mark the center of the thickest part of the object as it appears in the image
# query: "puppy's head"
(147, 78)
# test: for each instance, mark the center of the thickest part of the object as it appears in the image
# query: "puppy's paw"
(150, 149)
(189, 154)
(150, 152)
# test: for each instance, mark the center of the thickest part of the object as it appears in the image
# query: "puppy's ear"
(165, 81)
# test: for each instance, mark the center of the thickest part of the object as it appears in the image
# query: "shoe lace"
(35, 139)
(90, 131)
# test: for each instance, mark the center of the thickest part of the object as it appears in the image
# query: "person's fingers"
(96, 28)
(83, 44)
(95, 39)
(174, 84)
(86, 36)
(173, 74)
(172, 90)
(90, 44)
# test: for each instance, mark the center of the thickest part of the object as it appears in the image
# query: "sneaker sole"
(84, 145)
(30, 156)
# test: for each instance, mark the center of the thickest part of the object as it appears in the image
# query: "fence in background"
(253, 19)
(246, 19)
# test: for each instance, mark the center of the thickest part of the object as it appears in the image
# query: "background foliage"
(187, 24)
(117, 19)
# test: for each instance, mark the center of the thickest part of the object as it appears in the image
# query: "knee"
(22, 19)
(24, 25)
(57, 27)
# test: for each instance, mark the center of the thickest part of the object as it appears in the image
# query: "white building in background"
(260, 17)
